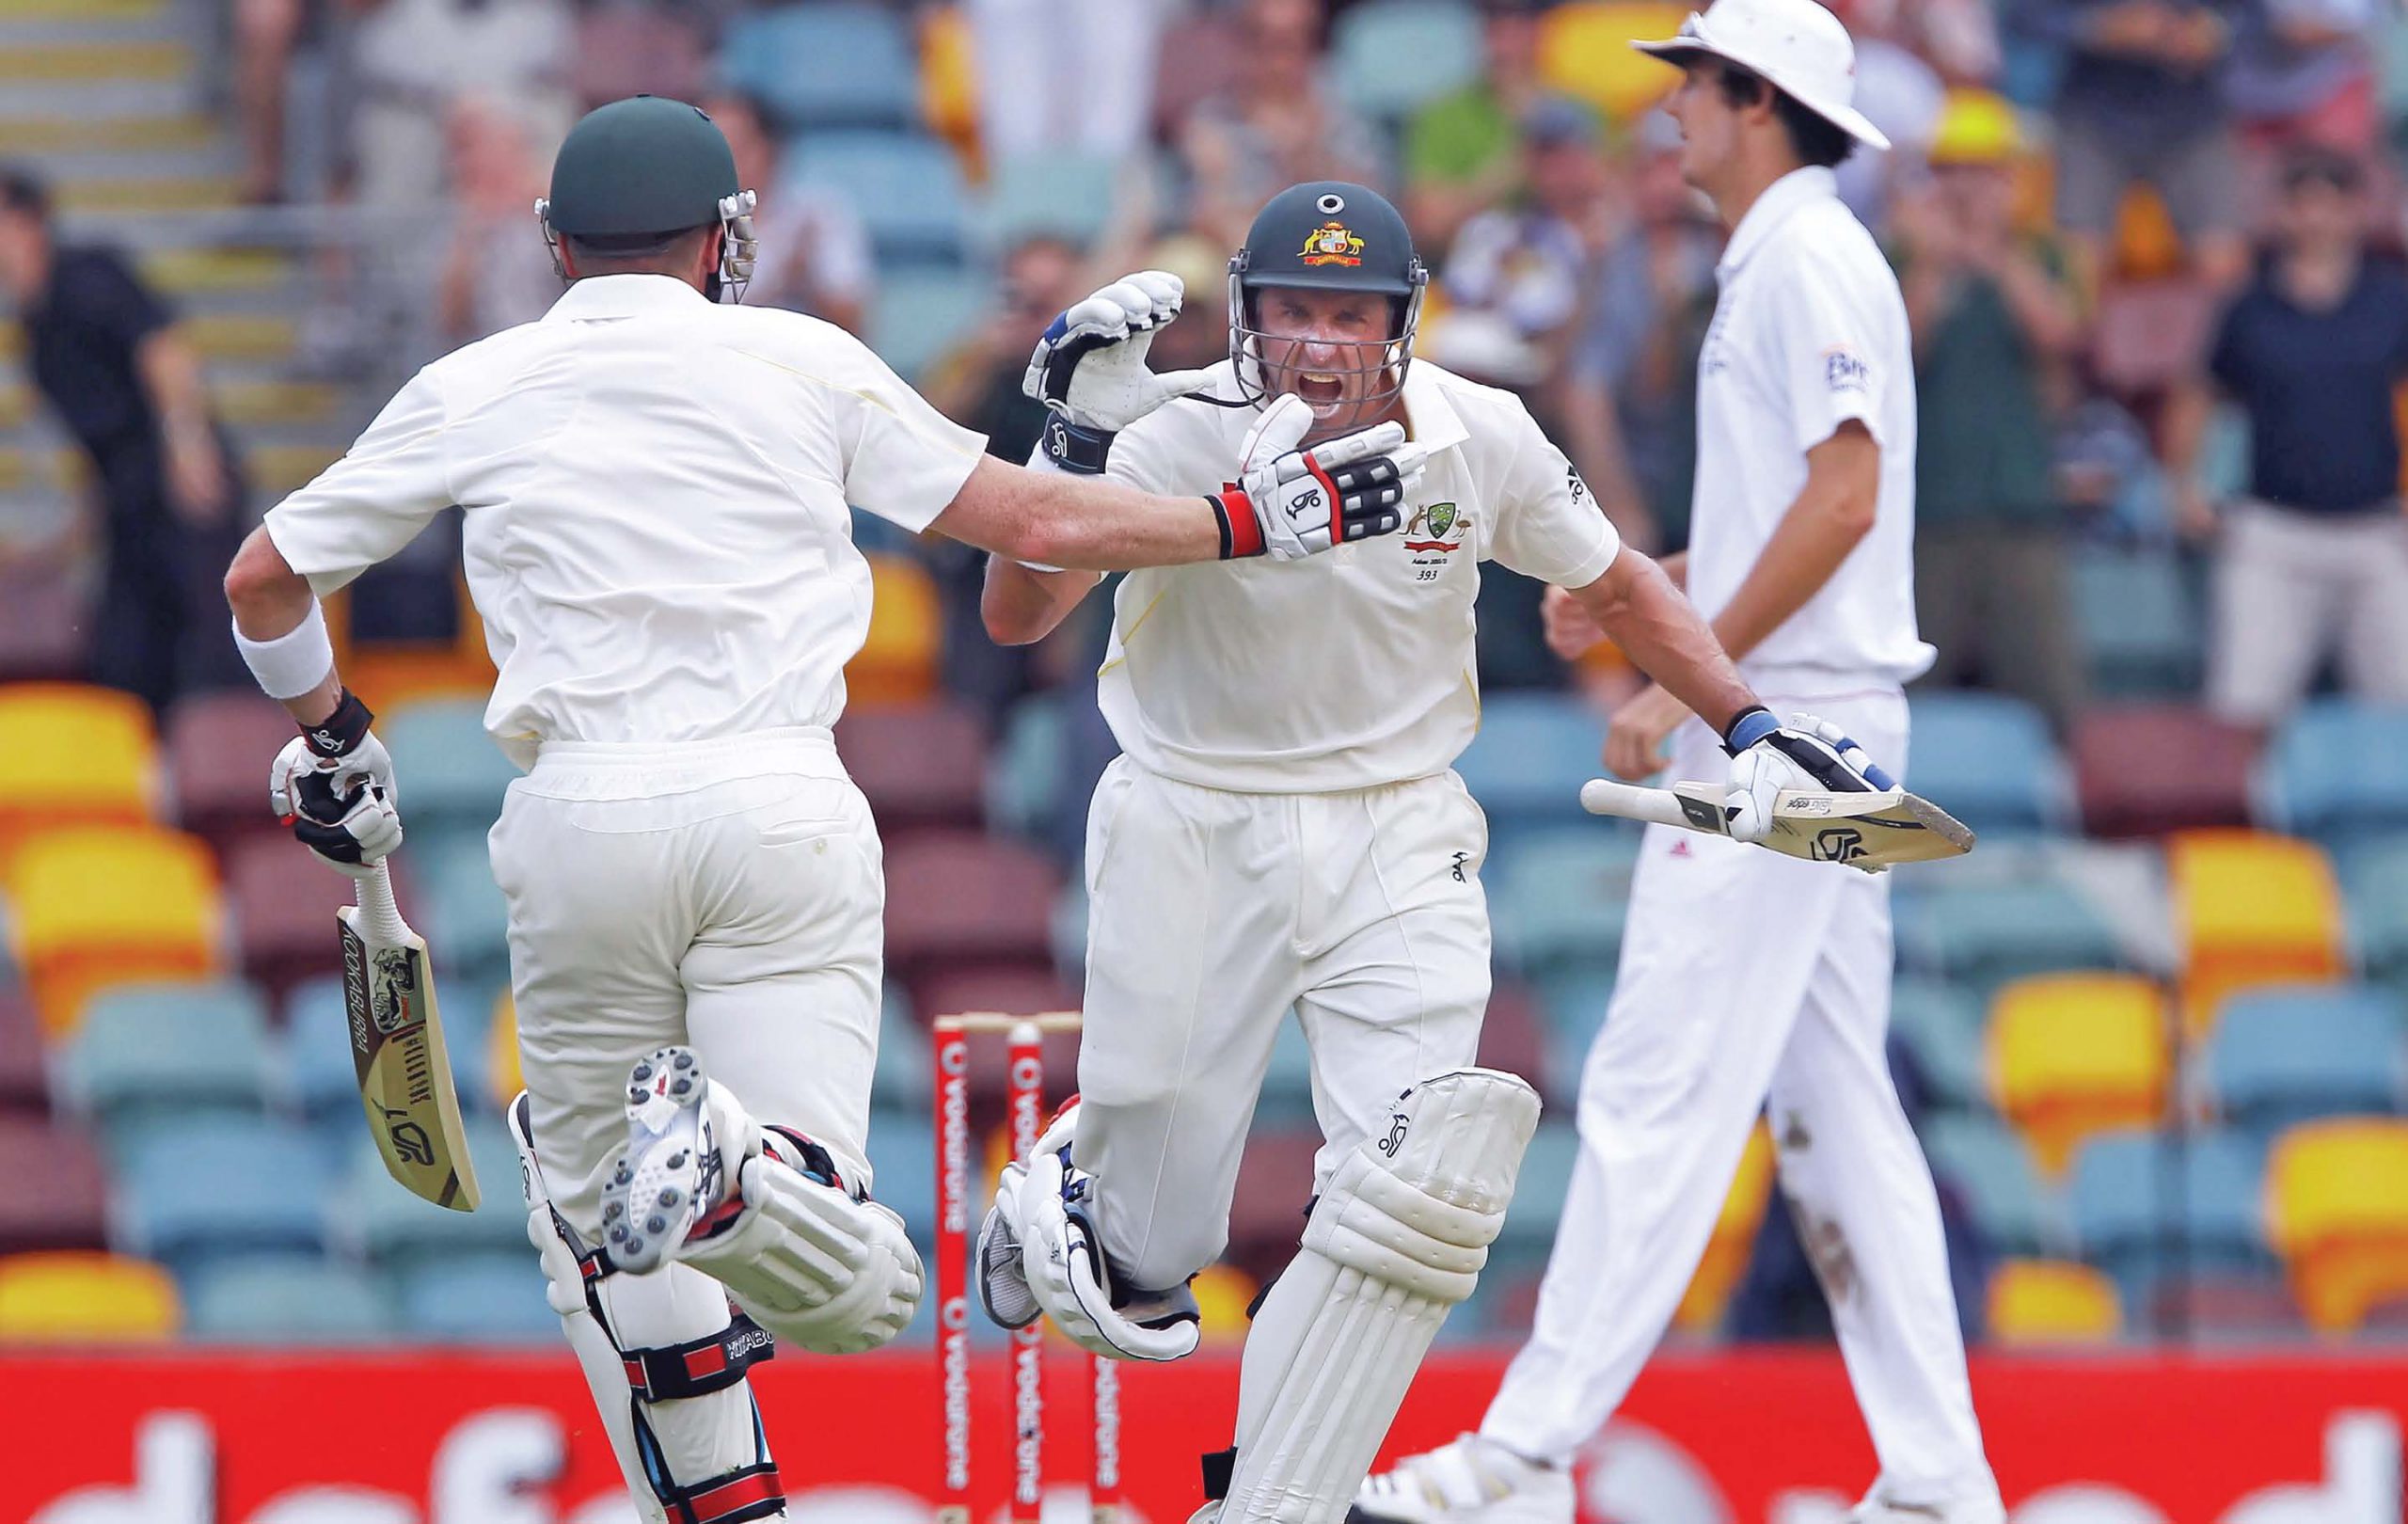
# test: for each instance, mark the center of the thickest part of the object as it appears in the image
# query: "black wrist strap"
(338, 732)
(1083, 451)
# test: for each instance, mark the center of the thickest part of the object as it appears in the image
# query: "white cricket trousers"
(729, 895)
(1210, 914)
(1749, 981)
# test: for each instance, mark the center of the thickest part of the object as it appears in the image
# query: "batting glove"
(334, 785)
(1767, 757)
(1089, 368)
(1290, 503)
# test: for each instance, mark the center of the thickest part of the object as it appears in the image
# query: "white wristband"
(294, 662)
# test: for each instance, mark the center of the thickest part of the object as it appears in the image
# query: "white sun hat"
(1802, 48)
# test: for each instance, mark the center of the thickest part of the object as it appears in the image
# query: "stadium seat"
(25, 1075)
(1990, 1169)
(2336, 1195)
(1287, 1098)
(907, 187)
(393, 1231)
(2140, 630)
(1054, 194)
(103, 905)
(221, 1188)
(1026, 771)
(906, 1078)
(287, 1300)
(2376, 874)
(284, 902)
(1939, 1026)
(1987, 759)
(1584, 50)
(154, 1057)
(452, 775)
(1986, 933)
(1528, 762)
(2127, 790)
(1539, 1192)
(919, 765)
(1390, 56)
(43, 627)
(486, 1297)
(1560, 895)
(86, 1299)
(219, 745)
(824, 65)
(57, 1192)
(73, 755)
(322, 1079)
(2318, 783)
(2050, 1302)
(897, 664)
(917, 317)
(1513, 1038)
(463, 911)
(2281, 1055)
(2069, 1054)
(1724, 1264)
(504, 1071)
(2136, 1220)
(1274, 1188)
(2250, 908)
(957, 896)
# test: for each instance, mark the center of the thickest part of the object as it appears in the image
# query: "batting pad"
(814, 1265)
(1398, 1237)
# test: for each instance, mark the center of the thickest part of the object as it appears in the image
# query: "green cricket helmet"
(642, 172)
(1329, 235)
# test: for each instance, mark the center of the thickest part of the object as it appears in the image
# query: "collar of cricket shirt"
(1430, 419)
(623, 295)
(1793, 191)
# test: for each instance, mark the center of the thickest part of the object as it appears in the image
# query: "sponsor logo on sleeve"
(1843, 370)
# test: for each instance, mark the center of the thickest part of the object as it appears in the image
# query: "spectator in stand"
(2303, 71)
(495, 277)
(1898, 91)
(2142, 100)
(1995, 319)
(814, 253)
(1524, 266)
(266, 32)
(2316, 555)
(107, 355)
(1065, 75)
(1280, 122)
(1463, 153)
(411, 60)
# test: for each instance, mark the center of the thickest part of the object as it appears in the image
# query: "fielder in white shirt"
(1285, 828)
(654, 489)
(1800, 551)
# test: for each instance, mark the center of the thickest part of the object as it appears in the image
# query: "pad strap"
(1219, 1466)
(700, 1365)
(747, 1492)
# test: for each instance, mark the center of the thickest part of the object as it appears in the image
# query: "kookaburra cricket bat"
(1867, 831)
(397, 1045)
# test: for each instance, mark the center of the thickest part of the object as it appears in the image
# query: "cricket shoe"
(1003, 1278)
(1470, 1481)
(1983, 1507)
(676, 1178)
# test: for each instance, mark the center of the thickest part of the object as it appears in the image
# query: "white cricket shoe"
(1471, 1481)
(1877, 1508)
(673, 1177)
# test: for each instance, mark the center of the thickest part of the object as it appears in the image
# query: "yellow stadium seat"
(501, 1054)
(2069, 1054)
(2251, 908)
(1223, 1292)
(2052, 1302)
(86, 1298)
(72, 754)
(1584, 50)
(104, 905)
(897, 664)
(2336, 1210)
(949, 82)
(1724, 1264)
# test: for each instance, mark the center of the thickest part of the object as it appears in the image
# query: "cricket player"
(1751, 981)
(654, 489)
(1285, 828)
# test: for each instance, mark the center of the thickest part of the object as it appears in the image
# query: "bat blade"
(397, 1049)
(1866, 831)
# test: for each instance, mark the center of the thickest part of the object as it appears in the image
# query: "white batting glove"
(333, 783)
(1089, 367)
(1767, 757)
(1290, 504)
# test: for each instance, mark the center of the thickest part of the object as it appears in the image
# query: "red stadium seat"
(1275, 1185)
(284, 902)
(920, 764)
(24, 1082)
(1513, 1038)
(219, 746)
(2127, 790)
(954, 896)
(57, 1192)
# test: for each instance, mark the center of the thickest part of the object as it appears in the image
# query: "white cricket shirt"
(1352, 669)
(1810, 331)
(654, 490)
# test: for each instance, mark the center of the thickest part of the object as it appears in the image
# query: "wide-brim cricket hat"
(1802, 48)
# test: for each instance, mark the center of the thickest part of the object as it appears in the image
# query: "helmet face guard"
(1263, 371)
(1337, 237)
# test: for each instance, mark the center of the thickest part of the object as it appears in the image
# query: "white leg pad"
(812, 1264)
(1399, 1237)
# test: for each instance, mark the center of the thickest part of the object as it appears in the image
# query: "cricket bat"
(1869, 830)
(397, 1046)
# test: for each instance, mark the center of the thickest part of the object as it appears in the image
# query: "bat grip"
(382, 918)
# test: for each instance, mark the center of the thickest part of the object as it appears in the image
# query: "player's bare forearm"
(1022, 605)
(1642, 612)
(1831, 513)
(270, 600)
(1078, 522)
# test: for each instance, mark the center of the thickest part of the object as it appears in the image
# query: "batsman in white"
(1285, 828)
(1751, 981)
(654, 489)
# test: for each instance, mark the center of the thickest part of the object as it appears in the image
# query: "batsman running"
(654, 489)
(1754, 982)
(1285, 828)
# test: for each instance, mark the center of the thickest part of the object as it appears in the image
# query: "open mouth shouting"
(1322, 392)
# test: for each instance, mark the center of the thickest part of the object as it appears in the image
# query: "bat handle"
(376, 907)
(1656, 806)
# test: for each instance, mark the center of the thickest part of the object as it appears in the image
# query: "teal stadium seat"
(371, 1212)
(450, 773)
(2139, 624)
(1560, 897)
(1288, 1085)
(1986, 934)
(1065, 195)
(1940, 1028)
(1392, 56)
(286, 1300)
(464, 913)
(2375, 876)
(323, 1080)
(476, 1298)
(2281, 1055)
(2124, 1198)
(2338, 772)
(1539, 1192)
(1987, 759)
(153, 1058)
(1993, 1173)
(904, 1081)
(825, 65)
(903, 1163)
(1574, 1007)
(1025, 767)
(1527, 763)
(917, 316)
(221, 1187)
(907, 187)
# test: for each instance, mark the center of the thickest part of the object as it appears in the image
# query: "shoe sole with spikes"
(669, 1175)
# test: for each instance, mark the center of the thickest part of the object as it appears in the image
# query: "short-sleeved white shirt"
(1348, 670)
(1809, 332)
(655, 491)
